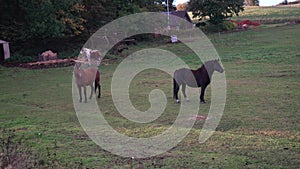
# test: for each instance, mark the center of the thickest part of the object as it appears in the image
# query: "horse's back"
(89, 76)
(92, 73)
(92, 70)
(185, 76)
(178, 74)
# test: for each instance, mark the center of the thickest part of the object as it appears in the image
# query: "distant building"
(4, 50)
(177, 23)
(251, 2)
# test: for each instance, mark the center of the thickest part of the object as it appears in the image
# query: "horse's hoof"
(203, 102)
(187, 99)
(177, 101)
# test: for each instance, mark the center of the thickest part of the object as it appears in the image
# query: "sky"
(261, 2)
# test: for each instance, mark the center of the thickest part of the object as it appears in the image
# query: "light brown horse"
(86, 78)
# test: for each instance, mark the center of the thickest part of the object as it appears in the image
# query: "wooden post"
(5, 46)
(6, 50)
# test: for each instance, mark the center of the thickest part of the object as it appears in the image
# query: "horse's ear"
(78, 64)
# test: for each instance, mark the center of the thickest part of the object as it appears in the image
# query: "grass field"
(267, 15)
(270, 15)
(260, 127)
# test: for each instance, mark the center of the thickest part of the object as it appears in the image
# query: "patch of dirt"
(276, 75)
(280, 74)
(21, 129)
(82, 137)
(156, 83)
(273, 133)
(243, 82)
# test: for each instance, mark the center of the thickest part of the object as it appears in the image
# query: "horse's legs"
(84, 91)
(91, 95)
(183, 92)
(175, 90)
(202, 94)
(79, 90)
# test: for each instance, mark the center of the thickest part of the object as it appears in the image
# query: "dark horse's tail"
(175, 87)
(97, 83)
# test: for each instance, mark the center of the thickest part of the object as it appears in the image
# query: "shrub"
(224, 26)
(228, 25)
(18, 58)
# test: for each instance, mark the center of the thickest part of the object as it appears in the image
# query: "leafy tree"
(33, 25)
(53, 18)
(284, 2)
(11, 19)
(215, 10)
(100, 12)
(40, 19)
(44, 19)
(252, 2)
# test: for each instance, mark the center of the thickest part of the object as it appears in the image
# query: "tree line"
(26, 23)
(42, 19)
(37, 22)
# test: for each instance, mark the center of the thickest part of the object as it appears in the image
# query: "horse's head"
(96, 56)
(77, 70)
(217, 66)
(85, 50)
(77, 67)
(213, 65)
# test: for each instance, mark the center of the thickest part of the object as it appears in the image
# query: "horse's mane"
(206, 65)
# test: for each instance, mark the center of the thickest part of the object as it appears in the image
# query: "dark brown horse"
(87, 78)
(195, 78)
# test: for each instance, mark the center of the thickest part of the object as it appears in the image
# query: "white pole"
(168, 11)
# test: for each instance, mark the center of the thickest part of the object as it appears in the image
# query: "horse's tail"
(175, 86)
(97, 83)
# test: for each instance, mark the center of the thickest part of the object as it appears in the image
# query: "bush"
(18, 58)
(228, 25)
(224, 26)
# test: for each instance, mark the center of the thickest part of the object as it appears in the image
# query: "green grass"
(259, 128)
(276, 46)
(270, 15)
(267, 15)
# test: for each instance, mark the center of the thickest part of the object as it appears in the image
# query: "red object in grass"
(198, 117)
(248, 22)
